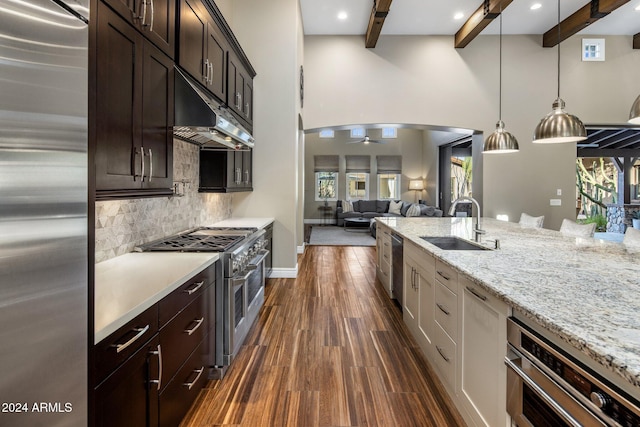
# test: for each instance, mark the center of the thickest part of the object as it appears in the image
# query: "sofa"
(380, 208)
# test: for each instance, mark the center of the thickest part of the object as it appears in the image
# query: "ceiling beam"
(376, 20)
(580, 19)
(487, 12)
(636, 41)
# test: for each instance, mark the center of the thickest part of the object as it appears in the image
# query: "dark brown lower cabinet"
(129, 396)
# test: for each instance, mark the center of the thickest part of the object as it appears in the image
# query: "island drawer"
(447, 275)
(445, 357)
(446, 310)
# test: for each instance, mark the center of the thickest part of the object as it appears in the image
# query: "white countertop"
(243, 222)
(586, 292)
(127, 285)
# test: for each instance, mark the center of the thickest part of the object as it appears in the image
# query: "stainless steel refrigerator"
(43, 212)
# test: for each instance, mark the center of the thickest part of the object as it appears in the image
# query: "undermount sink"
(450, 243)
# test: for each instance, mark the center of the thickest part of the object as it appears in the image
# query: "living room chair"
(531, 221)
(573, 229)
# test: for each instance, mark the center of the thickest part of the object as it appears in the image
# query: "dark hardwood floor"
(329, 349)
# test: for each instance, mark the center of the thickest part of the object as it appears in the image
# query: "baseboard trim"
(320, 221)
(300, 249)
(284, 273)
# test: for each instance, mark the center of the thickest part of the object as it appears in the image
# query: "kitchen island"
(580, 292)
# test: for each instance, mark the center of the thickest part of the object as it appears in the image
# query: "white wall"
(424, 80)
(269, 34)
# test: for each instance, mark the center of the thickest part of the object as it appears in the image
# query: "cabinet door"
(483, 347)
(157, 118)
(118, 84)
(411, 302)
(247, 169)
(247, 106)
(236, 85)
(154, 18)
(216, 55)
(129, 397)
(426, 320)
(193, 32)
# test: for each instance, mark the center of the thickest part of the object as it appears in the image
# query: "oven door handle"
(242, 279)
(513, 364)
(263, 254)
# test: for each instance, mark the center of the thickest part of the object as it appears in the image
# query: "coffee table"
(356, 224)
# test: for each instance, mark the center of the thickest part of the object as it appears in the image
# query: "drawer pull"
(198, 324)
(196, 286)
(158, 353)
(446, 359)
(474, 292)
(140, 332)
(442, 309)
(192, 383)
(444, 276)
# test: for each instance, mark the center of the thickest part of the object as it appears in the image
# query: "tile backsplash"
(121, 225)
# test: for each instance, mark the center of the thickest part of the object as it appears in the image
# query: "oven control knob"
(600, 399)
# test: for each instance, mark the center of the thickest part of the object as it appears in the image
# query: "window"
(326, 186)
(326, 179)
(389, 186)
(327, 133)
(388, 133)
(357, 186)
(593, 49)
(357, 133)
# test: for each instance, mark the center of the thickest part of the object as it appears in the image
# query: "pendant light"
(559, 126)
(500, 141)
(634, 115)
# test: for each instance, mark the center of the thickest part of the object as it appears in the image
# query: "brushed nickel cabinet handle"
(477, 295)
(142, 163)
(205, 72)
(158, 353)
(442, 309)
(144, 13)
(196, 286)
(192, 383)
(140, 332)
(150, 164)
(195, 328)
(444, 276)
(151, 26)
(211, 74)
(446, 359)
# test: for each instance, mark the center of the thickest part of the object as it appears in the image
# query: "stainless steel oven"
(244, 298)
(548, 387)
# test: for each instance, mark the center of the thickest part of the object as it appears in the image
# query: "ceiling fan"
(366, 140)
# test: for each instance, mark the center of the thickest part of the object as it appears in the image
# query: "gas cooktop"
(203, 239)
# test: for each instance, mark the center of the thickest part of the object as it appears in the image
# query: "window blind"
(360, 164)
(325, 163)
(389, 164)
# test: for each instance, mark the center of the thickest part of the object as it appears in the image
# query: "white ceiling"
(424, 17)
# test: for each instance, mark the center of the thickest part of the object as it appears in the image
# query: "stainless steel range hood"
(201, 120)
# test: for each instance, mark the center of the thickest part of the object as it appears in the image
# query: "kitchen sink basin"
(450, 243)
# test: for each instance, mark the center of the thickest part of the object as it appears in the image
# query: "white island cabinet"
(483, 347)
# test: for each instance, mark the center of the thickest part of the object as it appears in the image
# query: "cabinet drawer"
(120, 345)
(173, 303)
(424, 261)
(447, 276)
(183, 389)
(445, 357)
(182, 334)
(446, 310)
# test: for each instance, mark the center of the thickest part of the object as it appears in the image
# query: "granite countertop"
(583, 291)
(127, 285)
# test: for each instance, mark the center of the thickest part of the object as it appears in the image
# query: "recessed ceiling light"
(458, 15)
(638, 7)
(535, 6)
(342, 15)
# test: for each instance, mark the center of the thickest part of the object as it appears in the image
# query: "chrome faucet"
(477, 231)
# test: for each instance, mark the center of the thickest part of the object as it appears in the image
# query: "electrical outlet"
(559, 192)
(555, 202)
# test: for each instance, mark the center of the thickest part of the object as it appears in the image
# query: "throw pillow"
(405, 207)
(427, 210)
(394, 207)
(414, 210)
(347, 206)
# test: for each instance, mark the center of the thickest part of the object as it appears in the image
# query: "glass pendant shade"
(500, 141)
(559, 126)
(634, 115)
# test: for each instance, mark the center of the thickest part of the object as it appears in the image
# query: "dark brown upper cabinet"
(156, 20)
(240, 91)
(134, 112)
(203, 48)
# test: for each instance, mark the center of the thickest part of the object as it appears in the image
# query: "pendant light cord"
(500, 72)
(558, 48)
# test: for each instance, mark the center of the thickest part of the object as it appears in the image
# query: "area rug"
(330, 235)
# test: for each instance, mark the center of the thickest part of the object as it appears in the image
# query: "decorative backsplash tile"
(121, 225)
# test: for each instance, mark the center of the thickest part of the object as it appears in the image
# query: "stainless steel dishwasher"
(396, 267)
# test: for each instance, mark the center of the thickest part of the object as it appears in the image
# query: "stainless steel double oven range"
(550, 384)
(239, 292)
